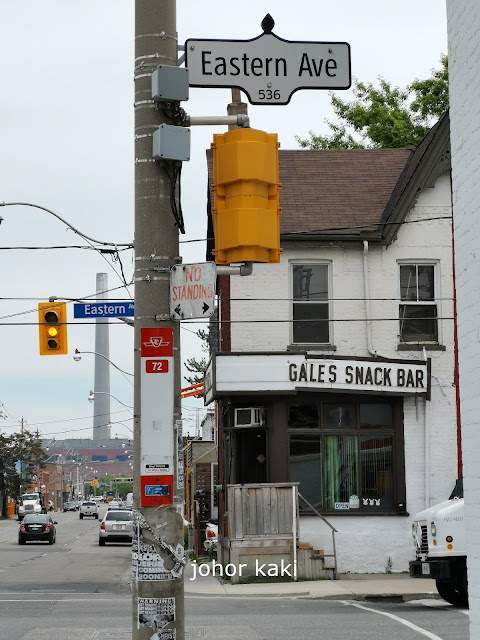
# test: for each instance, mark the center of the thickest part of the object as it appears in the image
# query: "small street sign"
(108, 309)
(267, 68)
(192, 290)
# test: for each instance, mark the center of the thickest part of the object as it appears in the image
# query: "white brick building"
(347, 349)
(464, 63)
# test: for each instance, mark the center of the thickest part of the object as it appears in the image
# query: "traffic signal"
(246, 210)
(52, 327)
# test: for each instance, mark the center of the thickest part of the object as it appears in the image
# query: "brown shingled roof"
(337, 188)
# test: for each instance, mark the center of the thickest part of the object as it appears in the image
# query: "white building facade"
(336, 366)
(464, 85)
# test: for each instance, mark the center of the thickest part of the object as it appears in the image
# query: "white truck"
(88, 508)
(440, 546)
(30, 503)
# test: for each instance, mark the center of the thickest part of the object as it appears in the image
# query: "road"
(76, 590)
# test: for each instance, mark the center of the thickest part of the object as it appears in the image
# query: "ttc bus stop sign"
(192, 290)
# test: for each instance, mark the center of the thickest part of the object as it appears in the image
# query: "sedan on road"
(37, 526)
(116, 526)
(69, 506)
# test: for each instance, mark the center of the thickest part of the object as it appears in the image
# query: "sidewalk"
(370, 587)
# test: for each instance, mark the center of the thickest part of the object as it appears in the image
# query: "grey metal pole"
(101, 398)
(158, 602)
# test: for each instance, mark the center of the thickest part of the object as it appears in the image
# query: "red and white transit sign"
(156, 396)
(192, 290)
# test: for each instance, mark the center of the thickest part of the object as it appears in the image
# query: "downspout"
(366, 287)
(456, 374)
(427, 447)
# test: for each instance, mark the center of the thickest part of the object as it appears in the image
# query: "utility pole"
(157, 551)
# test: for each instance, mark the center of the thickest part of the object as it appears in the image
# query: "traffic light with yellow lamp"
(52, 328)
(246, 212)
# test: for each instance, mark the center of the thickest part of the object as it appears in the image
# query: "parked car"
(211, 534)
(37, 526)
(116, 526)
(69, 506)
(88, 508)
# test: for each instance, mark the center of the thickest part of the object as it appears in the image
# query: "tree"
(385, 117)
(24, 447)
(198, 367)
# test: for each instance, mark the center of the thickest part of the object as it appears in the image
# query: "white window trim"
(307, 261)
(436, 292)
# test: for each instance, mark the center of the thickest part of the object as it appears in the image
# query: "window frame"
(420, 303)
(326, 303)
(395, 431)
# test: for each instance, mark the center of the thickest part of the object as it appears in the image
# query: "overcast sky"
(66, 143)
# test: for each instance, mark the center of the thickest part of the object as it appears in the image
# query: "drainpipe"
(456, 376)
(366, 287)
(427, 448)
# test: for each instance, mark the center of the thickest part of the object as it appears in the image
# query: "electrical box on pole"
(246, 211)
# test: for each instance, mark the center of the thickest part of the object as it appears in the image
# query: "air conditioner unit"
(249, 417)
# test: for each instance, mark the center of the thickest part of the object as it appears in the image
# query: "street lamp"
(91, 398)
(78, 356)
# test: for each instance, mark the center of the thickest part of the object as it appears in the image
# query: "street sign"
(192, 290)
(108, 309)
(267, 68)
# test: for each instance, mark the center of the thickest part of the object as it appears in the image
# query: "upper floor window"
(98, 458)
(418, 307)
(310, 304)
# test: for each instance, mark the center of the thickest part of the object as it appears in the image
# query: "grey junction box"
(171, 143)
(170, 84)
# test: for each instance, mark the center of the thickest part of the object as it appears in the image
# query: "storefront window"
(341, 467)
(303, 416)
(306, 467)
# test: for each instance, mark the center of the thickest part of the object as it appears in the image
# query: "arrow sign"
(192, 290)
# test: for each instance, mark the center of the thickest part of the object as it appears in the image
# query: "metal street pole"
(157, 552)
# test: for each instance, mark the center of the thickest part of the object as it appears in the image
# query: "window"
(418, 308)
(310, 304)
(98, 458)
(345, 459)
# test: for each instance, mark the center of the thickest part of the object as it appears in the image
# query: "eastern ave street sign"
(192, 290)
(267, 68)
(108, 309)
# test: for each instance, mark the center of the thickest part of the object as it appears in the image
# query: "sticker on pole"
(192, 290)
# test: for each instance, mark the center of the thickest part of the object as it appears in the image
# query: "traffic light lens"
(52, 344)
(51, 316)
(52, 331)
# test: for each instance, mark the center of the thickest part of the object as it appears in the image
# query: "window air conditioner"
(248, 417)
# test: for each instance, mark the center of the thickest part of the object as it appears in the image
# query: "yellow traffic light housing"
(246, 211)
(52, 328)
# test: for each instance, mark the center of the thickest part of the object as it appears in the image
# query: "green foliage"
(385, 116)
(198, 367)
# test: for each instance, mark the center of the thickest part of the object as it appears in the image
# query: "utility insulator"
(246, 211)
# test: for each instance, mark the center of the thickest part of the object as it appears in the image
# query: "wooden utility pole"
(157, 553)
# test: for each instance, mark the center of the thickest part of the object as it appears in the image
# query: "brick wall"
(464, 64)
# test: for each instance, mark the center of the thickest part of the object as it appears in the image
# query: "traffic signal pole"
(157, 552)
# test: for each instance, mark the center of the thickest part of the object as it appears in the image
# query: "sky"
(66, 144)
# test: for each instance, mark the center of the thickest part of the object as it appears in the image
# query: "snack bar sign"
(156, 393)
(267, 68)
